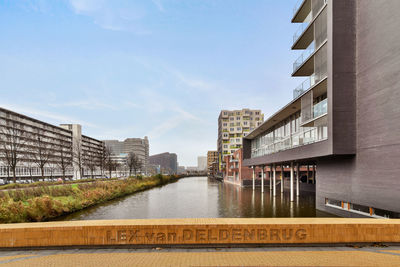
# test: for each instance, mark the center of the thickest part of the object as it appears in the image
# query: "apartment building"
(233, 125)
(202, 163)
(344, 119)
(33, 148)
(138, 146)
(212, 162)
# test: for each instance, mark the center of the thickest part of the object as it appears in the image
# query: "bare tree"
(103, 159)
(65, 160)
(13, 138)
(90, 160)
(110, 163)
(42, 150)
(134, 163)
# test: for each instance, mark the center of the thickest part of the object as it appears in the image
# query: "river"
(201, 197)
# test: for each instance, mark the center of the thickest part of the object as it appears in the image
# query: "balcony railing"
(297, 6)
(320, 108)
(300, 31)
(304, 86)
(303, 57)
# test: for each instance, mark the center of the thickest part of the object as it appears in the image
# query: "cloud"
(86, 104)
(56, 118)
(115, 15)
(159, 5)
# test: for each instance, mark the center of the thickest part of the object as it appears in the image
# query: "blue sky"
(161, 68)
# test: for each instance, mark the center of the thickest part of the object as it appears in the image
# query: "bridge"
(212, 242)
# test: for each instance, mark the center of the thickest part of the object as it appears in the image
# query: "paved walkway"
(296, 256)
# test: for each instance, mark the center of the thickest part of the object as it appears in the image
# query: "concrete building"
(167, 161)
(346, 120)
(138, 146)
(42, 149)
(233, 125)
(202, 163)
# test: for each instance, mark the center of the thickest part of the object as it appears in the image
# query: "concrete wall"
(372, 176)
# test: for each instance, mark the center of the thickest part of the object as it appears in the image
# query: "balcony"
(303, 36)
(320, 108)
(304, 86)
(303, 59)
(301, 10)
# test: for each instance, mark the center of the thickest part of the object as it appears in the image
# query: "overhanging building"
(345, 118)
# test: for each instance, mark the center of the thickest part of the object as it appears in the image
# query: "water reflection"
(201, 197)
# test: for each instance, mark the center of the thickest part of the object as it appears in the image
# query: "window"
(239, 128)
(231, 118)
(257, 113)
(245, 123)
(225, 124)
(231, 124)
(238, 118)
(232, 129)
(225, 146)
(238, 140)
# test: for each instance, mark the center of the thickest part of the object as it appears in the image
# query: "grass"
(43, 203)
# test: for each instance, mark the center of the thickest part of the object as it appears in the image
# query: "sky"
(157, 68)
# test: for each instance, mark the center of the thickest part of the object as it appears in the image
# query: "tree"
(42, 150)
(134, 163)
(103, 159)
(64, 158)
(110, 163)
(13, 138)
(90, 159)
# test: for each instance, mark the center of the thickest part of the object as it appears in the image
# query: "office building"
(138, 146)
(202, 163)
(345, 122)
(168, 162)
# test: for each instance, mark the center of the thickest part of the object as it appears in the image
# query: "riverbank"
(43, 203)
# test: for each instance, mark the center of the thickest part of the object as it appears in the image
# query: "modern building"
(167, 161)
(233, 125)
(138, 146)
(346, 120)
(235, 172)
(202, 163)
(42, 149)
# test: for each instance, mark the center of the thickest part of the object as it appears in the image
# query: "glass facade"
(290, 133)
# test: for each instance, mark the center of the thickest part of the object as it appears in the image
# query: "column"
(270, 177)
(291, 182)
(254, 177)
(308, 172)
(274, 179)
(282, 174)
(297, 180)
(262, 179)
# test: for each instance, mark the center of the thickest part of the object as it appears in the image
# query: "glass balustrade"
(300, 31)
(320, 108)
(304, 86)
(303, 57)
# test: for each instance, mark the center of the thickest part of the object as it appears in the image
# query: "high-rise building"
(138, 146)
(233, 125)
(345, 124)
(167, 161)
(42, 149)
(201, 163)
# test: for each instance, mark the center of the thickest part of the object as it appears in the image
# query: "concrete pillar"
(297, 180)
(291, 181)
(262, 179)
(308, 172)
(314, 173)
(270, 177)
(254, 177)
(282, 175)
(274, 180)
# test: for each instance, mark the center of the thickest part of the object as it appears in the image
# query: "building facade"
(233, 125)
(36, 149)
(138, 146)
(212, 163)
(168, 162)
(345, 120)
(202, 163)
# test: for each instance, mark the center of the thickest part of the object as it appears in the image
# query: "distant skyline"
(162, 68)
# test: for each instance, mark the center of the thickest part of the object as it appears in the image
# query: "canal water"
(201, 197)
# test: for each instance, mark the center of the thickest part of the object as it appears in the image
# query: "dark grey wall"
(372, 177)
